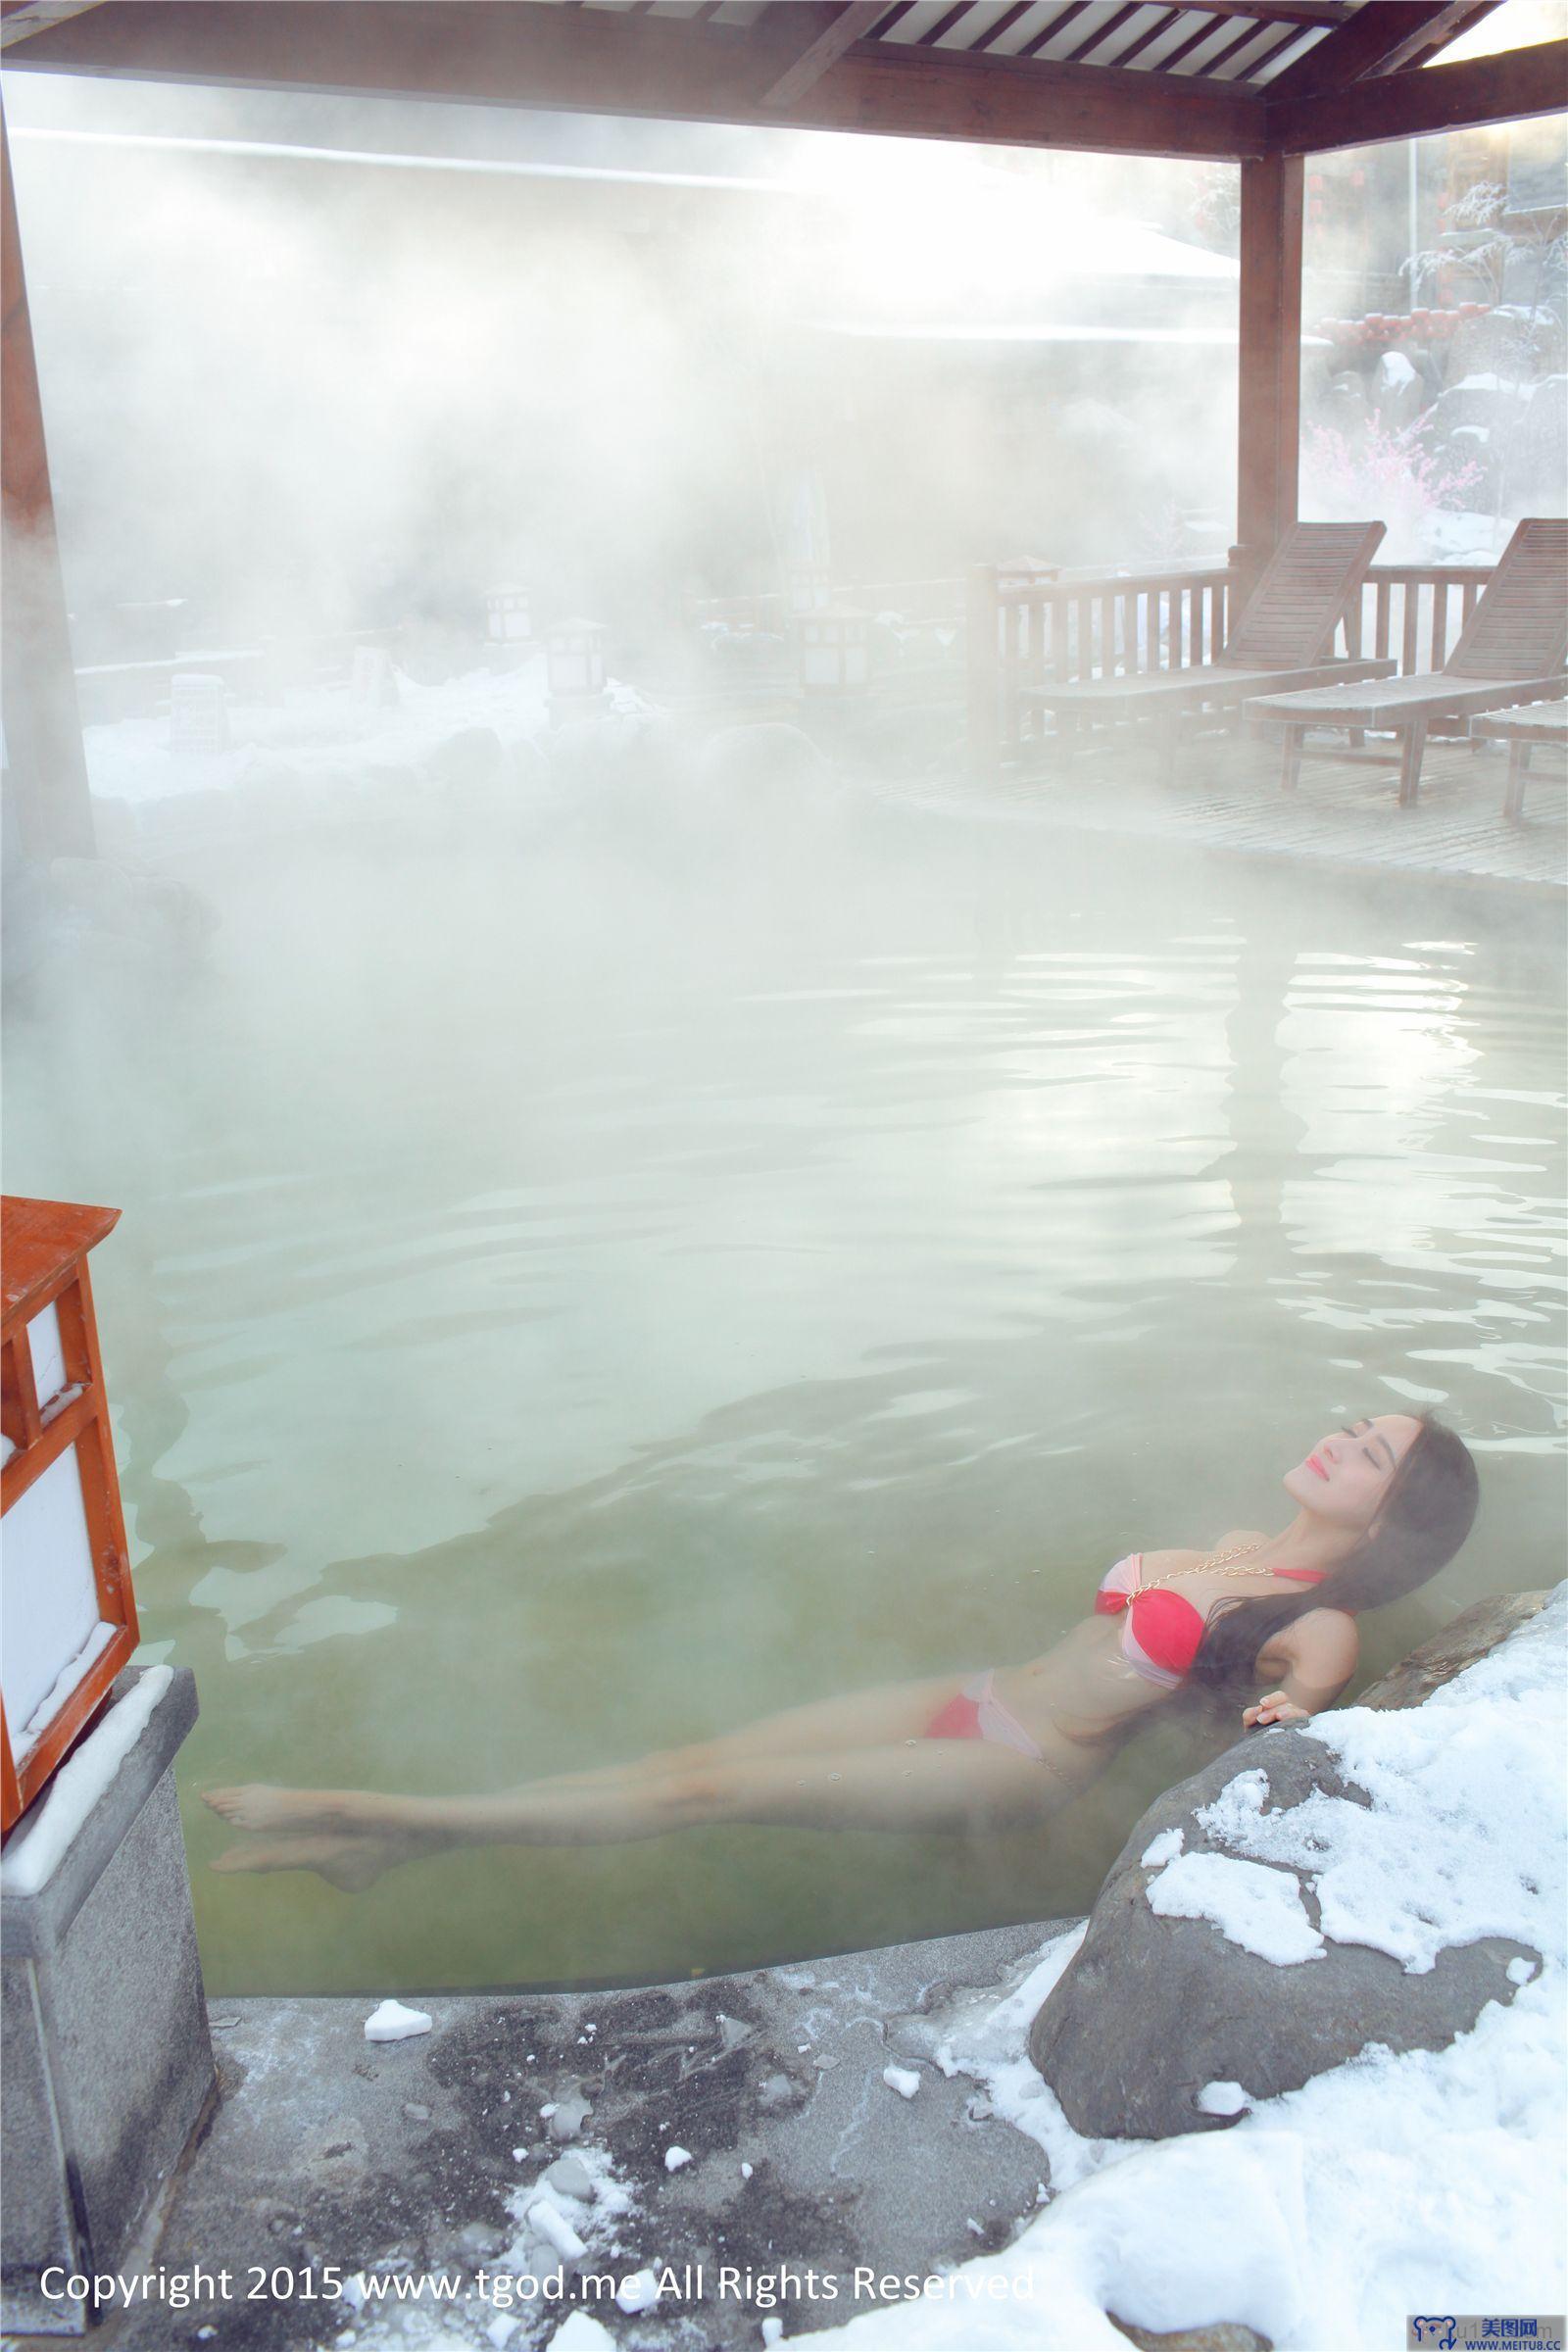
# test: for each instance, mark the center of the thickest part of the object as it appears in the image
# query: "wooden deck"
(1227, 797)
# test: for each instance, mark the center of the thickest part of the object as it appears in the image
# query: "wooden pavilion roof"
(1196, 78)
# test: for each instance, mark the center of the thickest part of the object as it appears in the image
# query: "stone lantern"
(108, 2060)
(810, 588)
(508, 619)
(69, 1614)
(574, 661)
(834, 652)
(198, 713)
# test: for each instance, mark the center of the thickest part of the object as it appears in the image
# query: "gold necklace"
(1212, 1564)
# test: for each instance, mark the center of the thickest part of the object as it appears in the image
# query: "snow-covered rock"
(638, 2292)
(1369, 1876)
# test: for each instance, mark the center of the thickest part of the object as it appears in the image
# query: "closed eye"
(1367, 1450)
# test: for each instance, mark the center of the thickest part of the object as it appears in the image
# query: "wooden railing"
(1025, 633)
(1031, 633)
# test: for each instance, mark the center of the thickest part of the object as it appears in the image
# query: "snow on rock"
(82, 1782)
(638, 2292)
(1380, 2185)
(570, 2176)
(580, 2332)
(1258, 1908)
(1223, 2098)
(545, 2215)
(393, 2023)
(1163, 1848)
(902, 2078)
(1462, 1837)
(674, 2158)
(566, 2118)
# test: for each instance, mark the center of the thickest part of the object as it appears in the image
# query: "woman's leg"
(875, 1717)
(952, 1786)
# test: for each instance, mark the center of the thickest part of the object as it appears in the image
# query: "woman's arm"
(1319, 1653)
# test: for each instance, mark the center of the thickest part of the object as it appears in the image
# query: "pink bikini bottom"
(977, 1713)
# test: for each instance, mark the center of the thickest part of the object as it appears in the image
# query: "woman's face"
(1346, 1477)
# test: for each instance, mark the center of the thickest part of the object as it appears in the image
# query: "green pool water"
(580, 1294)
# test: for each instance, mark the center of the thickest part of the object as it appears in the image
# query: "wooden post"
(45, 756)
(1269, 383)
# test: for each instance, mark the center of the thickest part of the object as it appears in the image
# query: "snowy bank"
(1394, 2181)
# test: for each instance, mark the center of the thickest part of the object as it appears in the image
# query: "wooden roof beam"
(1506, 88)
(598, 62)
(1379, 38)
(823, 51)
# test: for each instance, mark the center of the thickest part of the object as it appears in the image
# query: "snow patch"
(393, 2023)
(82, 1781)
(1251, 1906)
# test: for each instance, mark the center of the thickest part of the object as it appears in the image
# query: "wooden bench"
(1510, 651)
(1281, 638)
(1521, 728)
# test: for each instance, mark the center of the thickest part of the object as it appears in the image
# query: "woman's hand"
(1274, 1707)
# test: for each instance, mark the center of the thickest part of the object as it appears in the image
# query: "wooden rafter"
(1381, 36)
(1006, 21)
(1112, 25)
(1285, 12)
(1151, 34)
(831, 67)
(823, 51)
(1243, 39)
(28, 16)
(602, 62)
(1058, 25)
(931, 39)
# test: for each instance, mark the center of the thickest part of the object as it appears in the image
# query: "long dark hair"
(1427, 1513)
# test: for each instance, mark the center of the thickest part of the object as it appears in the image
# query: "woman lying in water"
(1380, 1507)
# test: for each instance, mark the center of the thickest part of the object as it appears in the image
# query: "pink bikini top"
(1168, 1628)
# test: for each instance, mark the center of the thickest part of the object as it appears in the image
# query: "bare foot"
(253, 1805)
(349, 1862)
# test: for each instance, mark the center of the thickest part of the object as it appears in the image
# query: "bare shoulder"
(1327, 1636)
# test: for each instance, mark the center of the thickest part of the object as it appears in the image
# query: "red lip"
(1313, 1463)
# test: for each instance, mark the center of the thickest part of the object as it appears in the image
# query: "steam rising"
(632, 1226)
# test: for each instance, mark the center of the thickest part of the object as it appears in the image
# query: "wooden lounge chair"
(1510, 651)
(1521, 727)
(1282, 637)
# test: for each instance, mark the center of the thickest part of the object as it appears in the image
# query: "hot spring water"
(570, 1301)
